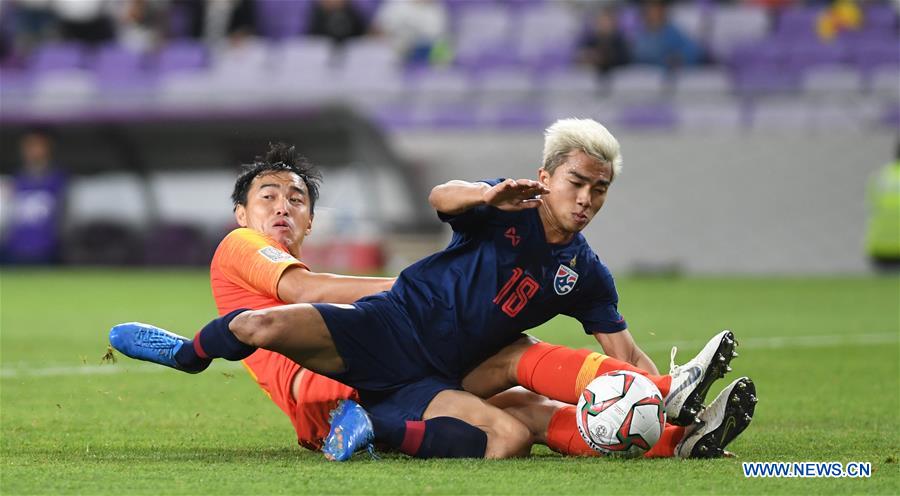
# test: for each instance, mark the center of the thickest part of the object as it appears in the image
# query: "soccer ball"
(621, 413)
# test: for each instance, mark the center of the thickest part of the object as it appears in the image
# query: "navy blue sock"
(215, 340)
(440, 437)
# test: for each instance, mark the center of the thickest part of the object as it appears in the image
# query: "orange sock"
(561, 373)
(665, 447)
(563, 436)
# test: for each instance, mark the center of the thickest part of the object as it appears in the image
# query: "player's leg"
(553, 424)
(558, 372)
(425, 419)
(561, 373)
(296, 331)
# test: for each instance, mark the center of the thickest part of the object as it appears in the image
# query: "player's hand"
(512, 195)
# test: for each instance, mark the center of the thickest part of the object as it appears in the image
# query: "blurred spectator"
(841, 16)
(38, 199)
(339, 20)
(883, 233)
(84, 20)
(660, 42)
(417, 29)
(604, 46)
(139, 23)
(232, 19)
(34, 22)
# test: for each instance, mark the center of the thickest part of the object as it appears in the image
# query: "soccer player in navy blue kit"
(516, 260)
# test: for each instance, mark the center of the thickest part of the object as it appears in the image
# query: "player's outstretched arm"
(455, 197)
(621, 346)
(300, 285)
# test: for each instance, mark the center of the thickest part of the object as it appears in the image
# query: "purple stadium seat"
(703, 83)
(870, 55)
(116, 66)
(637, 82)
(647, 116)
(181, 56)
(798, 22)
(832, 79)
(278, 19)
(810, 54)
(880, 18)
(885, 81)
(763, 79)
(766, 52)
(578, 85)
(781, 115)
(443, 86)
(706, 117)
(300, 53)
(58, 57)
(545, 35)
(734, 25)
(237, 60)
(483, 36)
(371, 54)
(15, 89)
(506, 85)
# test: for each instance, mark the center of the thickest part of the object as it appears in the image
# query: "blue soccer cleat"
(151, 344)
(351, 431)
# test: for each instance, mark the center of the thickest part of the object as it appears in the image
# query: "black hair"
(280, 157)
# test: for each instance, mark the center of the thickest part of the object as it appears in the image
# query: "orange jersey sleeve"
(245, 271)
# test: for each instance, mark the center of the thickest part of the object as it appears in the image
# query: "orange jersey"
(244, 273)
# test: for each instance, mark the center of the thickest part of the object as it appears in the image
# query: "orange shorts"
(317, 395)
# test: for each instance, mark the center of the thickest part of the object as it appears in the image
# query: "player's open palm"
(513, 194)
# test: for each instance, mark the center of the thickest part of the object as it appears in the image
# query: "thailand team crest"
(565, 280)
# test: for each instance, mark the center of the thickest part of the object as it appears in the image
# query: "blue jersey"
(498, 278)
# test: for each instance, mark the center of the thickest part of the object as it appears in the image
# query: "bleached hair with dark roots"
(587, 135)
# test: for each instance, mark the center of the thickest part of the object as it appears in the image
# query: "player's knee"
(507, 439)
(256, 328)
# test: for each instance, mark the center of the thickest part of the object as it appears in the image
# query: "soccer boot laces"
(691, 381)
(721, 422)
(351, 431)
(150, 344)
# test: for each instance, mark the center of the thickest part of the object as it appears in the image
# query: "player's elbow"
(434, 198)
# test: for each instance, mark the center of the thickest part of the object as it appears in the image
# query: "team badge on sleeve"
(275, 255)
(565, 280)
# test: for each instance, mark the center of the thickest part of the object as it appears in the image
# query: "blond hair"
(587, 135)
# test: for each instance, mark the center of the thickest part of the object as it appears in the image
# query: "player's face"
(278, 205)
(578, 189)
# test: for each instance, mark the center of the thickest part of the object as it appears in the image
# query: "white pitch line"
(779, 342)
(23, 370)
(774, 342)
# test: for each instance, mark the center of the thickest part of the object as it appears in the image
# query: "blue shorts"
(382, 356)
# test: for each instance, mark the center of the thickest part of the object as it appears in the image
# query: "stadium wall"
(790, 203)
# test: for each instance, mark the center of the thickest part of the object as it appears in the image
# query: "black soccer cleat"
(720, 423)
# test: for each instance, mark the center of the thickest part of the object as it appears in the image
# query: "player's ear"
(543, 176)
(240, 215)
(309, 226)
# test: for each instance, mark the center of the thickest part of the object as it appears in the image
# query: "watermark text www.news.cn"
(807, 469)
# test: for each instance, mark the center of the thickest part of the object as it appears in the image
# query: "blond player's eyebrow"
(599, 182)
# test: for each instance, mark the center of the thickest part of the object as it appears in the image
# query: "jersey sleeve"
(598, 309)
(473, 217)
(253, 261)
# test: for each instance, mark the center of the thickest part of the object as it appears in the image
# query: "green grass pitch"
(824, 354)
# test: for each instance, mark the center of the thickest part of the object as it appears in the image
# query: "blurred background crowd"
(149, 105)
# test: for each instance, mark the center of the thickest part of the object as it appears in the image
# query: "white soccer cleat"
(691, 381)
(722, 421)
